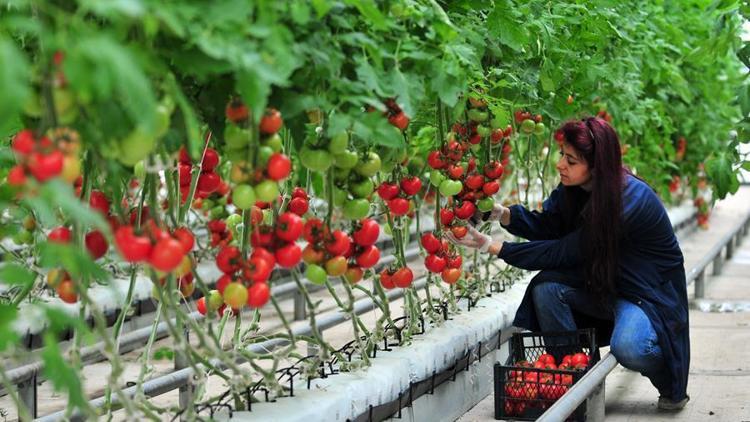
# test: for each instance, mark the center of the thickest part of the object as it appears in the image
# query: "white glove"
(473, 239)
(498, 211)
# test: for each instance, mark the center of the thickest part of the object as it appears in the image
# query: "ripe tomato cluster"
(220, 235)
(37, 156)
(440, 259)
(335, 253)
(398, 196)
(393, 277)
(164, 251)
(300, 202)
(540, 383)
(245, 281)
(64, 286)
(96, 242)
(209, 181)
(681, 149)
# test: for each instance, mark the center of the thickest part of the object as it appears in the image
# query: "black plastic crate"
(524, 393)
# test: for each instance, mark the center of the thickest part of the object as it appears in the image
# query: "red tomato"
(312, 255)
(16, 176)
(459, 231)
(200, 304)
(261, 236)
(257, 269)
(210, 160)
(132, 248)
(228, 259)
(289, 255)
(314, 230)
(451, 275)
(45, 166)
(59, 235)
(411, 185)
(368, 232)
(430, 243)
(298, 192)
(400, 120)
(336, 266)
(453, 261)
(546, 358)
(186, 239)
(98, 201)
(388, 191)
(166, 255)
(279, 166)
(435, 160)
(465, 211)
(96, 244)
(236, 111)
(493, 170)
(289, 226)
(455, 171)
(66, 290)
(339, 243)
(403, 277)
(258, 295)
(23, 143)
(386, 280)
(298, 206)
(398, 206)
(271, 122)
(208, 182)
(446, 216)
(474, 182)
(434, 263)
(579, 361)
(368, 257)
(265, 254)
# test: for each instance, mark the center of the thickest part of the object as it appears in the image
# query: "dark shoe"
(668, 404)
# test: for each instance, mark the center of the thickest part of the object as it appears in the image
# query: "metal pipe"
(576, 395)
(177, 379)
(700, 285)
(718, 265)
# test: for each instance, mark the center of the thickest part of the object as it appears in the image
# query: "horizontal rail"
(179, 378)
(708, 258)
(580, 391)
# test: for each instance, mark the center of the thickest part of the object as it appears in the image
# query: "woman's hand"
(473, 239)
(498, 213)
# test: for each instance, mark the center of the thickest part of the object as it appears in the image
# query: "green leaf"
(376, 130)
(369, 9)
(321, 7)
(192, 128)
(14, 83)
(254, 91)
(719, 170)
(63, 377)
(76, 262)
(509, 31)
(8, 335)
(14, 274)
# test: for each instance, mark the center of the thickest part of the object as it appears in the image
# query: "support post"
(300, 310)
(718, 264)
(730, 249)
(700, 288)
(186, 391)
(595, 405)
(27, 395)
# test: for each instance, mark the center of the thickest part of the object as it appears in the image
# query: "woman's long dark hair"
(597, 143)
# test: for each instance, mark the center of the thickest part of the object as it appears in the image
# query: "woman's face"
(574, 170)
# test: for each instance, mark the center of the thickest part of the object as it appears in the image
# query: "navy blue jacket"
(652, 272)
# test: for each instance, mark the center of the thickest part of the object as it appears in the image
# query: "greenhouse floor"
(720, 358)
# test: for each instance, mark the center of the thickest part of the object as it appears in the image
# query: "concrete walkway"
(719, 384)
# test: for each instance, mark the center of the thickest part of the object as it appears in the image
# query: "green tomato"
(339, 196)
(485, 204)
(483, 131)
(22, 237)
(370, 165)
(477, 115)
(274, 142)
(208, 204)
(136, 146)
(315, 160)
(267, 190)
(362, 189)
(235, 137)
(162, 120)
(539, 129)
(217, 212)
(236, 155)
(416, 164)
(33, 106)
(436, 177)
(450, 187)
(339, 143)
(528, 126)
(341, 175)
(475, 148)
(243, 197)
(65, 105)
(234, 220)
(356, 209)
(346, 159)
(264, 153)
(316, 274)
(139, 170)
(214, 300)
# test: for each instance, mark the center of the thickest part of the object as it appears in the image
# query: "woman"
(608, 257)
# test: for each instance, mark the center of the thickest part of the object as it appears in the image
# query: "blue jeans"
(634, 342)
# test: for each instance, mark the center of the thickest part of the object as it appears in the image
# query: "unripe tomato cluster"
(440, 259)
(335, 253)
(398, 196)
(529, 124)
